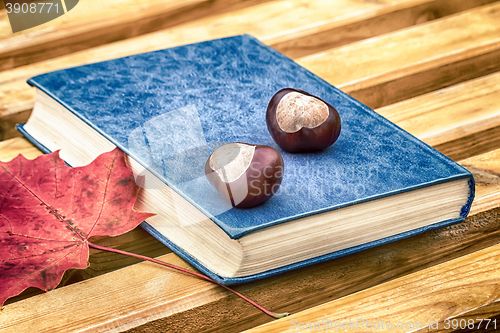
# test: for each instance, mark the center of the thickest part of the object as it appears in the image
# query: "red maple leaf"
(48, 212)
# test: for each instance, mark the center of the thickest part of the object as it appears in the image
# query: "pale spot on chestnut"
(296, 110)
(246, 175)
(300, 122)
(231, 160)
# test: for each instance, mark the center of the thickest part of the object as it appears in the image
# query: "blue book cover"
(170, 109)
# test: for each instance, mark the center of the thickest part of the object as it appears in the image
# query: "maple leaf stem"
(201, 276)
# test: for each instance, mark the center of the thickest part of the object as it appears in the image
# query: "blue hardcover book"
(170, 109)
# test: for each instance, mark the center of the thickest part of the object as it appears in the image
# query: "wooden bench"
(430, 66)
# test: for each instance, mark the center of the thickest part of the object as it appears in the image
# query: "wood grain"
(4, 21)
(100, 315)
(285, 25)
(455, 119)
(477, 315)
(365, 23)
(399, 65)
(486, 170)
(169, 306)
(93, 23)
(13, 147)
(469, 145)
(415, 300)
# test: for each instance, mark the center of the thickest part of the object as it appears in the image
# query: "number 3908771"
(32, 7)
(475, 324)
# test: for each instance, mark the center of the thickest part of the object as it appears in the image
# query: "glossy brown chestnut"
(246, 175)
(300, 122)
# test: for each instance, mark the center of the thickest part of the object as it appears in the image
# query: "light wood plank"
(406, 63)
(285, 25)
(415, 300)
(163, 300)
(479, 316)
(13, 147)
(8, 124)
(96, 315)
(91, 23)
(4, 25)
(486, 170)
(444, 117)
(479, 142)
(368, 24)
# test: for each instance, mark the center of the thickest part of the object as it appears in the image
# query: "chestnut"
(300, 122)
(246, 175)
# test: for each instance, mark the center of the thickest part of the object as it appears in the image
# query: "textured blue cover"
(170, 108)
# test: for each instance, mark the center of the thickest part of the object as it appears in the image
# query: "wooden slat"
(393, 67)
(163, 300)
(478, 142)
(185, 291)
(362, 23)
(285, 25)
(486, 170)
(146, 298)
(479, 316)
(91, 23)
(4, 23)
(418, 299)
(13, 147)
(197, 315)
(448, 118)
(8, 123)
